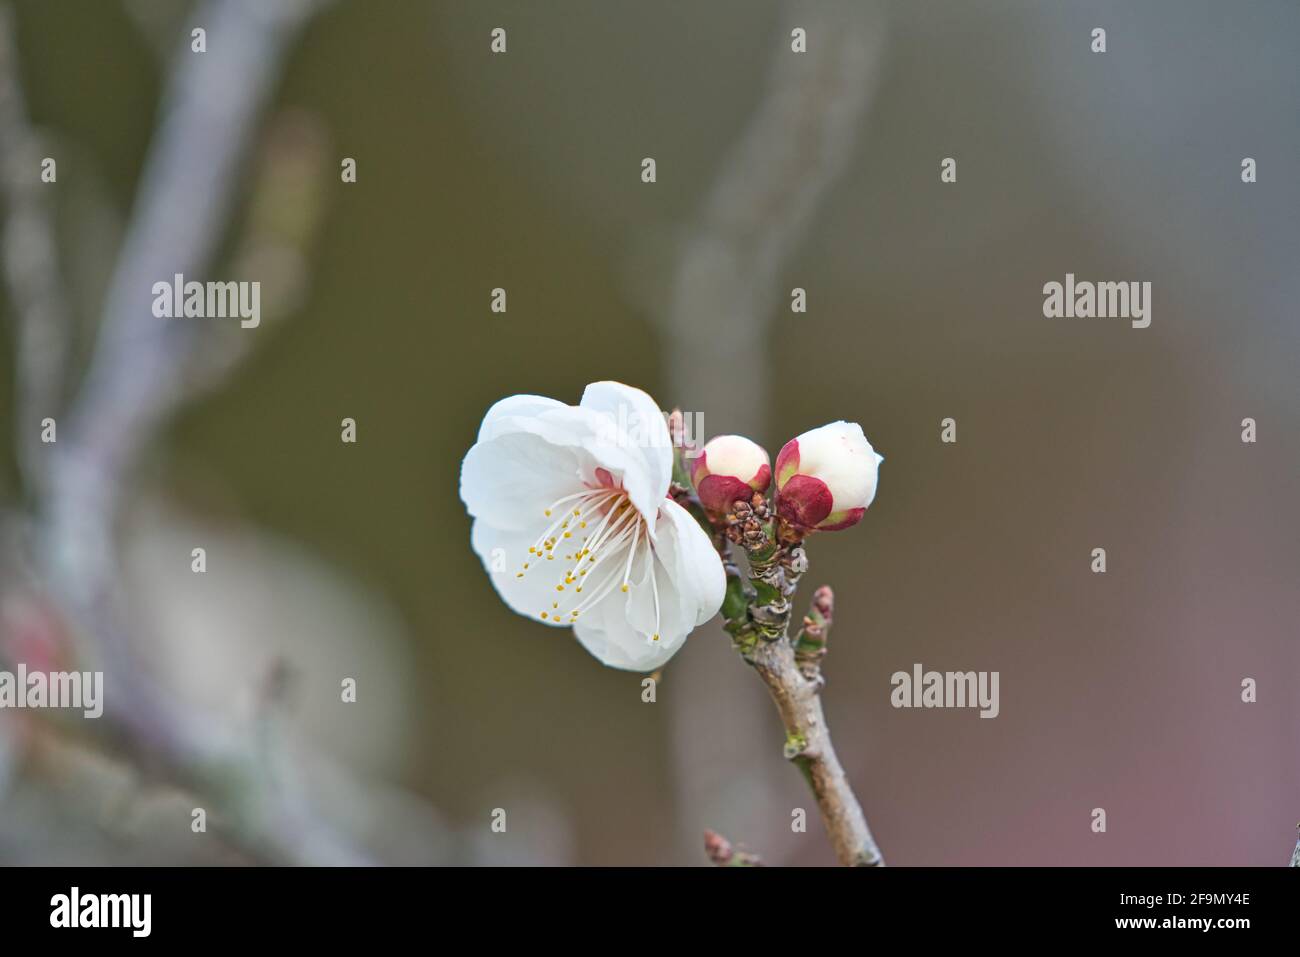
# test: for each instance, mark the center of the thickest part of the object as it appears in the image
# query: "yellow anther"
(624, 588)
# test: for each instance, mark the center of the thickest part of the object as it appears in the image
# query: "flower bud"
(826, 478)
(730, 468)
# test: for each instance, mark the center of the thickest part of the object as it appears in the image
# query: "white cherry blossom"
(573, 522)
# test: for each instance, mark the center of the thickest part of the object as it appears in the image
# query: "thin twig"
(761, 634)
(810, 643)
(720, 852)
(723, 301)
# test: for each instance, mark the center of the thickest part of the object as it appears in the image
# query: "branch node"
(722, 854)
(810, 642)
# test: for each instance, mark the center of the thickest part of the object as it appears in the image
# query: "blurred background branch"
(40, 313)
(63, 558)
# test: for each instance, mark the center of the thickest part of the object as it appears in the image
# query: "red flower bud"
(826, 478)
(728, 469)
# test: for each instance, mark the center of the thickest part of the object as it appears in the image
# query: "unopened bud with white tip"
(730, 468)
(826, 478)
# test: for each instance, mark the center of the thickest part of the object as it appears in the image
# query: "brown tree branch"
(722, 305)
(792, 669)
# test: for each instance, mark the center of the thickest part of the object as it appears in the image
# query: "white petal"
(503, 554)
(593, 629)
(690, 583)
(530, 452)
(502, 414)
(697, 577)
(509, 481)
(636, 443)
(840, 455)
(604, 631)
(568, 426)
